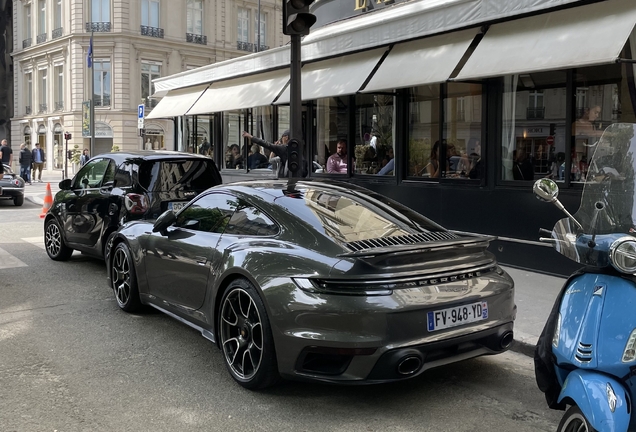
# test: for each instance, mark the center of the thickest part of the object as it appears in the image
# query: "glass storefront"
(374, 145)
(331, 127)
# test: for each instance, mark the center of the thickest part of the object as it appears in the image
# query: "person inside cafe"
(337, 162)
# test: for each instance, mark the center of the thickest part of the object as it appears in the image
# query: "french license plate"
(456, 316)
(176, 206)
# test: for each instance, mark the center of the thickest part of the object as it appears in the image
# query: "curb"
(34, 200)
(524, 343)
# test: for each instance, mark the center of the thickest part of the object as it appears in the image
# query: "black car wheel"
(18, 200)
(246, 337)
(124, 279)
(574, 421)
(54, 242)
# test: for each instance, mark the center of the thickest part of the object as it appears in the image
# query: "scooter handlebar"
(544, 232)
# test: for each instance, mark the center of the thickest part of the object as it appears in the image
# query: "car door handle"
(201, 260)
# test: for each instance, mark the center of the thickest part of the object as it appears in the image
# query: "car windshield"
(349, 215)
(172, 175)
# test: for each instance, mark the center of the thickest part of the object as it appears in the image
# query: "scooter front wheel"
(574, 421)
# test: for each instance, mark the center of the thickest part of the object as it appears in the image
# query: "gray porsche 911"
(317, 281)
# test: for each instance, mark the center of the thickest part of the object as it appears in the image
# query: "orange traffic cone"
(48, 201)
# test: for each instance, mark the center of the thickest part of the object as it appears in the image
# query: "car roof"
(149, 155)
(275, 186)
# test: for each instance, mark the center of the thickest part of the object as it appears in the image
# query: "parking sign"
(140, 116)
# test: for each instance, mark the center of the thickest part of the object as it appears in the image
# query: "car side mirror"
(546, 190)
(65, 184)
(165, 220)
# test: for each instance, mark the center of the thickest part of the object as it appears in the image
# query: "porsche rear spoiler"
(423, 247)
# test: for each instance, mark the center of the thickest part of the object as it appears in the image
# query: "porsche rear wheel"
(56, 249)
(574, 421)
(124, 279)
(246, 337)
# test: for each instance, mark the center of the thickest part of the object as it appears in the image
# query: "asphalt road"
(70, 360)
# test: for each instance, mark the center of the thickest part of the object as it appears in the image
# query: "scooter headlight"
(557, 333)
(629, 355)
(623, 255)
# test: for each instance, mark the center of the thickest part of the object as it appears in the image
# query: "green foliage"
(115, 148)
(76, 153)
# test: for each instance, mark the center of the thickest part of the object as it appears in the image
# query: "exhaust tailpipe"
(506, 340)
(409, 365)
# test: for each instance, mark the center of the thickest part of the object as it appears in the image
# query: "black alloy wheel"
(574, 421)
(54, 242)
(123, 279)
(246, 337)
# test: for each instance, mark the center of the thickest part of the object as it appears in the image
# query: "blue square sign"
(140, 111)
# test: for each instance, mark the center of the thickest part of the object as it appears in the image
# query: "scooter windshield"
(608, 201)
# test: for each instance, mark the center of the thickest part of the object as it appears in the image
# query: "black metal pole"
(65, 158)
(295, 102)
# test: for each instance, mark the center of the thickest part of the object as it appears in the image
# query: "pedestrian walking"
(84, 157)
(25, 159)
(7, 155)
(39, 159)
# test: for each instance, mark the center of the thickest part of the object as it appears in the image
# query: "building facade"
(453, 110)
(133, 43)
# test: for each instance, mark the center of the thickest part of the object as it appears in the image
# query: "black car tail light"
(136, 203)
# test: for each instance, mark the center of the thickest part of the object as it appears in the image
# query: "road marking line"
(9, 261)
(35, 241)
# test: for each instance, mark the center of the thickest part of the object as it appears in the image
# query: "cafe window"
(331, 128)
(375, 131)
(461, 144)
(260, 124)
(534, 133)
(234, 122)
(198, 133)
(602, 98)
(424, 131)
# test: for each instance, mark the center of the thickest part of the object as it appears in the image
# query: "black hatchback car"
(114, 188)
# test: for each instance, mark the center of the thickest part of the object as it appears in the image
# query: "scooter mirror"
(546, 190)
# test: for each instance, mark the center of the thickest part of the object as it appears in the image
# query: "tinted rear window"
(172, 175)
(348, 216)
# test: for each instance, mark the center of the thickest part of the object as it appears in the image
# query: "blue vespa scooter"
(586, 355)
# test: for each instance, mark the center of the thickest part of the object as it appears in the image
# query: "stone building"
(134, 42)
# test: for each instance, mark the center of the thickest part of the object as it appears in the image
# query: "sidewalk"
(535, 294)
(35, 193)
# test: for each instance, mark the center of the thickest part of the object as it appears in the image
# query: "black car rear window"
(185, 174)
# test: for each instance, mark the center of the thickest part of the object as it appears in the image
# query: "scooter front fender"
(589, 391)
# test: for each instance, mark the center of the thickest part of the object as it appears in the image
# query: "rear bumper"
(11, 192)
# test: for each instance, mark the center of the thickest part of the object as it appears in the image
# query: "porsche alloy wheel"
(246, 337)
(56, 249)
(574, 421)
(123, 279)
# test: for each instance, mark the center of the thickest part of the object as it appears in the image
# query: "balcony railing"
(151, 31)
(59, 106)
(196, 38)
(535, 113)
(40, 38)
(26, 43)
(27, 110)
(56, 33)
(97, 26)
(43, 108)
(250, 47)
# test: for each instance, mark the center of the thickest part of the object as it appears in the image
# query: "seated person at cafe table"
(337, 162)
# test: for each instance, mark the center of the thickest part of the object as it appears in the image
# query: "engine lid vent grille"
(584, 352)
(400, 240)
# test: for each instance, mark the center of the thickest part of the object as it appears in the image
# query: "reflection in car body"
(316, 281)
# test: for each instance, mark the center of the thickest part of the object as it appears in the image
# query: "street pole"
(295, 102)
(65, 158)
(92, 103)
(258, 34)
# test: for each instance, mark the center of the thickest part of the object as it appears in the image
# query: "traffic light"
(293, 156)
(67, 136)
(552, 129)
(296, 17)
(69, 154)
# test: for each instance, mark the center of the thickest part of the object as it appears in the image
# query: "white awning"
(177, 102)
(425, 61)
(336, 77)
(253, 91)
(588, 35)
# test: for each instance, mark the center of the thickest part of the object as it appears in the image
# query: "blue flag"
(89, 55)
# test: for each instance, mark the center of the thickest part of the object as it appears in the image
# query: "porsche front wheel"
(246, 337)
(124, 279)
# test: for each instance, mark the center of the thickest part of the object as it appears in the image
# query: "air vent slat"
(400, 240)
